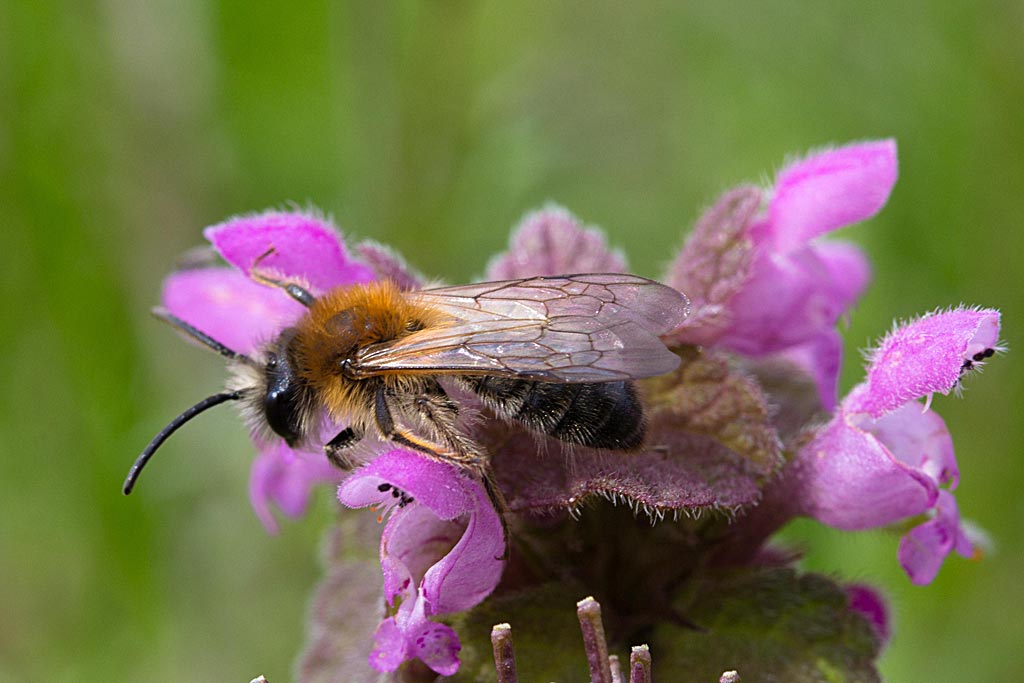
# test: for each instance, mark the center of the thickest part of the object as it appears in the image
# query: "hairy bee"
(555, 354)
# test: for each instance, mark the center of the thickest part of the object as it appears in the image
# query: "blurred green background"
(125, 127)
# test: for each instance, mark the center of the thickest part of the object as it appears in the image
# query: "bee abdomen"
(604, 415)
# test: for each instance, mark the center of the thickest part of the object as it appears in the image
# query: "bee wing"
(576, 328)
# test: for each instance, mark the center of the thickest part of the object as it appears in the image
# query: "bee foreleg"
(335, 447)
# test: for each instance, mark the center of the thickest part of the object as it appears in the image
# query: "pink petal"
(469, 573)
(923, 549)
(229, 307)
(458, 577)
(306, 248)
(285, 478)
(553, 242)
(412, 542)
(919, 439)
(434, 484)
(848, 269)
(853, 481)
(820, 358)
(925, 356)
(410, 635)
(389, 647)
(829, 190)
(438, 646)
(788, 299)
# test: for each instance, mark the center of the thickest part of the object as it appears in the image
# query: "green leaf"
(545, 630)
(769, 625)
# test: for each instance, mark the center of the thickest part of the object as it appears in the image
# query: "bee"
(557, 355)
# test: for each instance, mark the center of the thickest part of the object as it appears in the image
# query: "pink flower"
(884, 456)
(241, 314)
(440, 553)
(762, 283)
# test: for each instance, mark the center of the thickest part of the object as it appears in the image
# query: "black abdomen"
(605, 415)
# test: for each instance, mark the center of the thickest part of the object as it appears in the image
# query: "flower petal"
(286, 478)
(828, 190)
(458, 579)
(228, 306)
(389, 646)
(820, 357)
(788, 299)
(437, 645)
(923, 549)
(469, 573)
(432, 483)
(305, 247)
(853, 481)
(410, 635)
(919, 439)
(848, 269)
(413, 541)
(924, 356)
(553, 242)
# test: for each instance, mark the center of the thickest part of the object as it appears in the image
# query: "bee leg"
(462, 453)
(388, 429)
(335, 447)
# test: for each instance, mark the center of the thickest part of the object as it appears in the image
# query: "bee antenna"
(172, 426)
(201, 337)
(292, 289)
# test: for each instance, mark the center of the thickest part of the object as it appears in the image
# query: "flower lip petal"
(923, 549)
(924, 356)
(306, 247)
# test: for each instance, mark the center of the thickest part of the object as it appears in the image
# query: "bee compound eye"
(282, 402)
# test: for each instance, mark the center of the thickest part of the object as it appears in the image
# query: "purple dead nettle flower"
(762, 283)
(440, 552)
(884, 456)
(763, 286)
(226, 304)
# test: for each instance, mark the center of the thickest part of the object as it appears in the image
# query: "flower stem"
(640, 664)
(589, 612)
(616, 667)
(504, 653)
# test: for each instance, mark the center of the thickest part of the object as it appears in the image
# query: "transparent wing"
(575, 328)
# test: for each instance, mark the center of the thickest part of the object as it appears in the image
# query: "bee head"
(284, 395)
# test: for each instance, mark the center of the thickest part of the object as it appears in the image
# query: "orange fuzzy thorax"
(340, 323)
